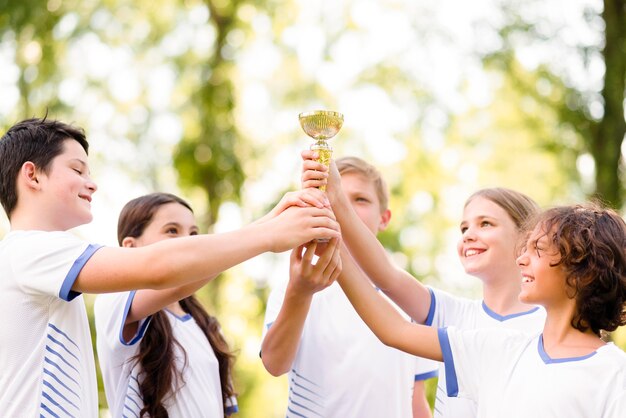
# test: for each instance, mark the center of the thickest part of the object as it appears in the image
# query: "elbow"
(390, 339)
(273, 368)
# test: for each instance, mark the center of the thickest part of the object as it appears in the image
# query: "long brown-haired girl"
(161, 353)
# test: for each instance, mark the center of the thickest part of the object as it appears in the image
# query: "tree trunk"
(609, 135)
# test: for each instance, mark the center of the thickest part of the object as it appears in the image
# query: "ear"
(30, 174)
(385, 217)
(129, 242)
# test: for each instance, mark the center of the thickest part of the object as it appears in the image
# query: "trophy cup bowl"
(321, 125)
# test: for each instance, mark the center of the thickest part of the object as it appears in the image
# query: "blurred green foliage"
(531, 134)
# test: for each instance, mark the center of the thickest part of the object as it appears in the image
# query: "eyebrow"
(480, 218)
(176, 224)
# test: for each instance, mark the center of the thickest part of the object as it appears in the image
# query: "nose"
(91, 185)
(468, 234)
(522, 260)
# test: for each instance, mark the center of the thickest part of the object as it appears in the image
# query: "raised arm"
(305, 279)
(406, 291)
(185, 260)
(382, 318)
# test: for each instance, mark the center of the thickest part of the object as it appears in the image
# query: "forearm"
(281, 342)
(147, 301)
(406, 291)
(170, 263)
(382, 318)
(420, 406)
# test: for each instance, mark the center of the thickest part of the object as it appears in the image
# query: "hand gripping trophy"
(321, 125)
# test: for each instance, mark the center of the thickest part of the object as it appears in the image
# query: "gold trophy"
(321, 125)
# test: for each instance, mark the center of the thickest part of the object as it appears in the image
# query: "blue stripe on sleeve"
(452, 385)
(66, 293)
(427, 375)
(431, 309)
(143, 323)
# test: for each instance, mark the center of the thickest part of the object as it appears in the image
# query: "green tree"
(597, 115)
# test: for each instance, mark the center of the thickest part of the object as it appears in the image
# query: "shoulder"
(444, 298)
(615, 356)
(42, 241)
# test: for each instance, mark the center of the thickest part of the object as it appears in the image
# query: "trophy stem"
(325, 152)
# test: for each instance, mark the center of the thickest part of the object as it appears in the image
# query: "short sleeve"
(49, 262)
(474, 356)
(617, 406)
(274, 304)
(111, 311)
(446, 309)
(426, 369)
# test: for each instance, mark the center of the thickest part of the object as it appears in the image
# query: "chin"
(526, 298)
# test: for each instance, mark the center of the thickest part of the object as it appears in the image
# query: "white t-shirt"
(200, 394)
(341, 369)
(46, 358)
(447, 310)
(513, 377)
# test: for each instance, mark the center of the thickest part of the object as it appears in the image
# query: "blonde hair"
(520, 208)
(356, 165)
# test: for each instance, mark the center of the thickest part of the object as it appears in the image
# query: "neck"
(561, 339)
(502, 296)
(176, 308)
(29, 223)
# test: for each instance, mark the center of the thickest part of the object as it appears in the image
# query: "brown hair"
(156, 354)
(591, 242)
(356, 165)
(35, 140)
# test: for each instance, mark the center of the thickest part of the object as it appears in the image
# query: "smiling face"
(543, 281)
(171, 220)
(67, 188)
(488, 239)
(362, 195)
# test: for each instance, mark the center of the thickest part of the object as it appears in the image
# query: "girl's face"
(488, 239)
(543, 283)
(171, 220)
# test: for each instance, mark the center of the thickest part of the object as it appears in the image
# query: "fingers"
(314, 174)
(314, 197)
(332, 269)
(296, 254)
(309, 252)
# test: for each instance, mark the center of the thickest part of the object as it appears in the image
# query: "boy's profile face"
(543, 282)
(361, 193)
(67, 189)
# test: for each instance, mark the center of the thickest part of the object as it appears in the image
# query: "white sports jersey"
(447, 310)
(341, 369)
(514, 377)
(47, 367)
(201, 394)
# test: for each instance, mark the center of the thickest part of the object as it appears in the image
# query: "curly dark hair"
(156, 356)
(591, 241)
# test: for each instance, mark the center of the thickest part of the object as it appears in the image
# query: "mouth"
(470, 252)
(85, 197)
(527, 279)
